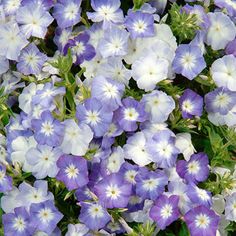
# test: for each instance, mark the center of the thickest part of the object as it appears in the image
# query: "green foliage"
(183, 25)
(146, 229)
(138, 3)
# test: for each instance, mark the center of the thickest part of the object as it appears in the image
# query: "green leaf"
(183, 229)
(138, 3)
(65, 63)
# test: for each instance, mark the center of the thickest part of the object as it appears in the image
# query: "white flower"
(149, 70)
(20, 147)
(76, 138)
(223, 72)
(221, 31)
(184, 144)
(218, 203)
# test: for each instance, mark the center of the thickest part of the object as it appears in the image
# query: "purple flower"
(61, 37)
(45, 216)
(231, 48)
(80, 48)
(150, 184)
(94, 114)
(230, 207)
(73, 171)
(5, 181)
(202, 221)
(199, 196)
(191, 104)
(188, 61)
(108, 91)
(165, 211)
(220, 100)
(113, 191)
(140, 24)
(195, 170)
(33, 20)
(228, 5)
(130, 113)
(46, 4)
(17, 223)
(114, 43)
(31, 60)
(93, 215)
(67, 13)
(4, 65)
(48, 130)
(106, 11)
(162, 147)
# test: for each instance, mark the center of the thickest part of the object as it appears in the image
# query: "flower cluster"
(117, 118)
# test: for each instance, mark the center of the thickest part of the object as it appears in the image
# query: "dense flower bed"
(117, 117)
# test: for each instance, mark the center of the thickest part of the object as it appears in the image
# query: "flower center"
(202, 221)
(166, 211)
(47, 128)
(193, 167)
(19, 224)
(71, 171)
(130, 114)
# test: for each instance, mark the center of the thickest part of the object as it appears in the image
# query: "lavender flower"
(129, 113)
(106, 11)
(202, 221)
(93, 215)
(231, 48)
(4, 65)
(73, 171)
(67, 13)
(109, 92)
(150, 184)
(114, 43)
(48, 130)
(159, 105)
(230, 207)
(31, 60)
(17, 223)
(12, 41)
(113, 191)
(43, 161)
(162, 147)
(140, 24)
(77, 229)
(220, 100)
(191, 104)
(165, 211)
(5, 181)
(33, 20)
(199, 196)
(46, 4)
(81, 49)
(94, 114)
(195, 170)
(45, 216)
(188, 61)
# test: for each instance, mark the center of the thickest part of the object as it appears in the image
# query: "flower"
(12, 41)
(136, 149)
(150, 184)
(114, 43)
(188, 61)
(94, 114)
(48, 130)
(5, 180)
(221, 30)
(93, 215)
(4, 65)
(231, 48)
(73, 171)
(165, 210)
(223, 72)
(109, 92)
(43, 161)
(31, 60)
(163, 150)
(130, 113)
(67, 13)
(202, 221)
(106, 11)
(33, 20)
(220, 100)
(230, 207)
(140, 24)
(17, 223)
(159, 105)
(76, 138)
(80, 48)
(113, 191)
(77, 229)
(195, 170)
(45, 216)
(149, 70)
(191, 104)
(229, 5)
